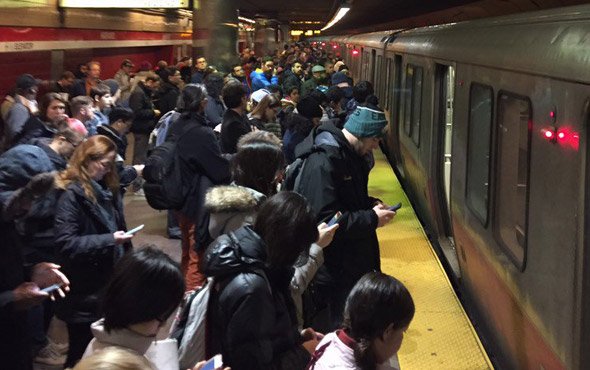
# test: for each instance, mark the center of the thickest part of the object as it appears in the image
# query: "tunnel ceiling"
(377, 15)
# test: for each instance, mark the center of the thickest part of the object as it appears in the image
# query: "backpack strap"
(317, 354)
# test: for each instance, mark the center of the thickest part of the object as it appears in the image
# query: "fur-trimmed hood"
(232, 198)
(231, 207)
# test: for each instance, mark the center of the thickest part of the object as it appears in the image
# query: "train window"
(387, 87)
(378, 71)
(416, 104)
(408, 100)
(481, 101)
(512, 174)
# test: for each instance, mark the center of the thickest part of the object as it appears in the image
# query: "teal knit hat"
(366, 122)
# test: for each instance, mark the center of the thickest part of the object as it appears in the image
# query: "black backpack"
(164, 185)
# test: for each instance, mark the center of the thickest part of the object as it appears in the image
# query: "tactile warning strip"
(441, 335)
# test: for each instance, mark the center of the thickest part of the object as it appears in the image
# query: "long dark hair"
(146, 285)
(376, 301)
(287, 226)
(256, 165)
(189, 101)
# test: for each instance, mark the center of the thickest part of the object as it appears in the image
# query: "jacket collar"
(92, 207)
(121, 337)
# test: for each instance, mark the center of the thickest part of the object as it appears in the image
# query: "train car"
(488, 132)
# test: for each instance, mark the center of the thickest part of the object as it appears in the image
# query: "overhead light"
(247, 20)
(339, 15)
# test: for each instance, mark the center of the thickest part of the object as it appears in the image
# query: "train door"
(394, 97)
(444, 101)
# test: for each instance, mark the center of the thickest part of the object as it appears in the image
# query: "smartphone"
(133, 231)
(215, 362)
(334, 220)
(51, 288)
(395, 207)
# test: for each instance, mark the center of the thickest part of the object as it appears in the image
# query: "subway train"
(488, 134)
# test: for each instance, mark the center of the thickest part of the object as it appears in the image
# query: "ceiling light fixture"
(338, 16)
(247, 20)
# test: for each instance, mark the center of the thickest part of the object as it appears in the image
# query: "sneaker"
(52, 354)
(139, 193)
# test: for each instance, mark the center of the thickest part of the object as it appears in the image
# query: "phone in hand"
(52, 288)
(395, 207)
(334, 220)
(213, 363)
(133, 231)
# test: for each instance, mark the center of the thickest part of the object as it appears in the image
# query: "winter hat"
(318, 68)
(308, 107)
(26, 81)
(259, 94)
(338, 78)
(112, 84)
(77, 126)
(366, 122)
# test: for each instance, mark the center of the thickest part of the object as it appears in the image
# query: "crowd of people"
(272, 161)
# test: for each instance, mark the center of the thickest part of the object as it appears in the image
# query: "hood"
(59, 162)
(121, 338)
(325, 134)
(232, 198)
(240, 251)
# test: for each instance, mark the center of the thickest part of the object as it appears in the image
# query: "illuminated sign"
(124, 4)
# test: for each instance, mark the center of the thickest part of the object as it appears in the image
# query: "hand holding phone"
(216, 362)
(334, 220)
(52, 288)
(133, 231)
(395, 207)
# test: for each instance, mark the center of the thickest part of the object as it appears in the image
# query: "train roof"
(555, 42)
(373, 39)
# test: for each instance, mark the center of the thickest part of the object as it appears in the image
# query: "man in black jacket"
(235, 124)
(146, 116)
(334, 179)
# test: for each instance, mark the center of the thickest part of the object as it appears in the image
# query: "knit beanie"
(338, 78)
(309, 108)
(366, 122)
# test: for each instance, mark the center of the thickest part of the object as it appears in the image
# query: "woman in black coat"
(254, 323)
(90, 236)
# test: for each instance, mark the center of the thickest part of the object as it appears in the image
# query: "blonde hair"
(114, 358)
(93, 149)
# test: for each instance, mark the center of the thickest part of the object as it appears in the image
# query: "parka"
(334, 179)
(87, 252)
(252, 318)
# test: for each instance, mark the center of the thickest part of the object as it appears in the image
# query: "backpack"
(159, 133)
(295, 169)
(190, 327)
(164, 187)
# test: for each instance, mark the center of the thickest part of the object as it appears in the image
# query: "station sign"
(124, 4)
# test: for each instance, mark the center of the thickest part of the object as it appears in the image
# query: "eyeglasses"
(75, 145)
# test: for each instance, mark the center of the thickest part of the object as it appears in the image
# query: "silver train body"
(488, 130)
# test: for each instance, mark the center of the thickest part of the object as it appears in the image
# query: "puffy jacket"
(17, 168)
(252, 312)
(260, 80)
(87, 251)
(335, 179)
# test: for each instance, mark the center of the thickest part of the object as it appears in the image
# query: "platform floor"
(441, 335)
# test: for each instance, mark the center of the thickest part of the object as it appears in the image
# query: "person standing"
(334, 179)
(146, 115)
(89, 235)
(123, 78)
(235, 123)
